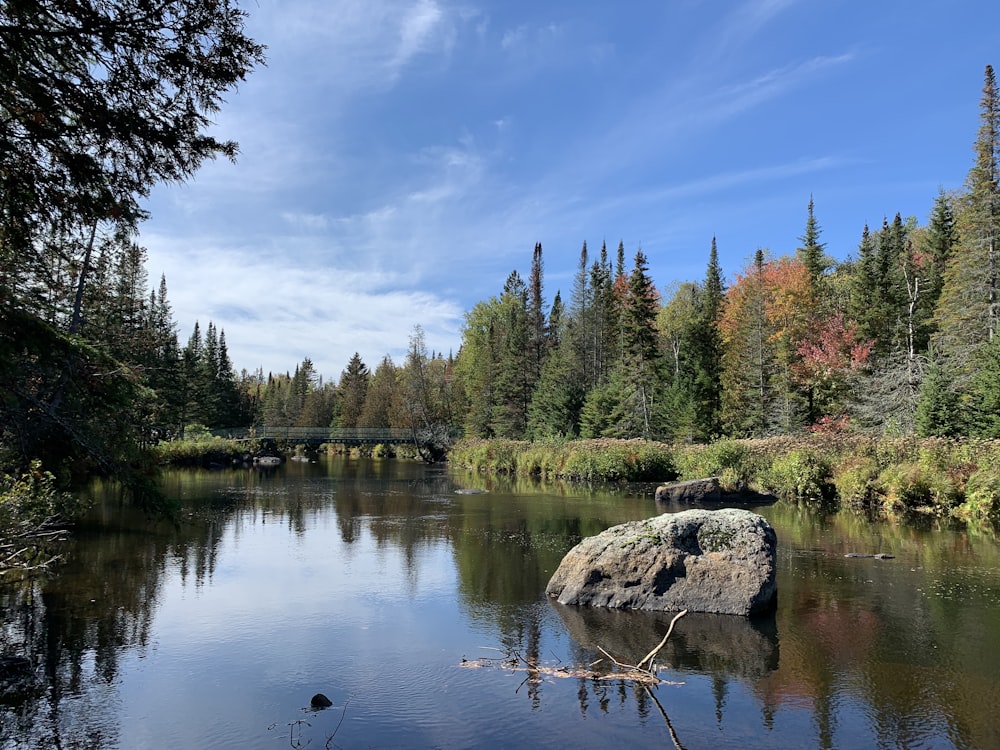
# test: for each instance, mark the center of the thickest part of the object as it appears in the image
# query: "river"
(377, 584)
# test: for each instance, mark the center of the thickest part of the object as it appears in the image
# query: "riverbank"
(884, 477)
(887, 477)
(217, 452)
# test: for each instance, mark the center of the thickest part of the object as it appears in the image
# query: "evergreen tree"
(810, 252)
(967, 311)
(579, 328)
(512, 379)
(941, 238)
(749, 362)
(477, 366)
(605, 346)
(939, 412)
(192, 384)
(536, 317)
(678, 323)
(638, 372)
(985, 392)
(380, 395)
(354, 391)
(558, 396)
(707, 351)
(227, 395)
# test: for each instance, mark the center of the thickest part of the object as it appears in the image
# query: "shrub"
(856, 479)
(727, 459)
(30, 508)
(909, 486)
(982, 495)
(797, 474)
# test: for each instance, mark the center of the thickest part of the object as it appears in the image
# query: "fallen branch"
(635, 673)
(652, 654)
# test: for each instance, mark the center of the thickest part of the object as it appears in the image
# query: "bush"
(614, 460)
(798, 474)
(912, 486)
(30, 507)
(730, 460)
(856, 479)
(982, 496)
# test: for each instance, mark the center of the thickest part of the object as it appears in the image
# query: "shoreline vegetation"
(886, 478)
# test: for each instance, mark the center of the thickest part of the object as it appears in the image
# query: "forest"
(897, 339)
(101, 103)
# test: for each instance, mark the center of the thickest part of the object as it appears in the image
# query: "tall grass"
(891, 477)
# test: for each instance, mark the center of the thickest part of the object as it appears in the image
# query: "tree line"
(102, 101)
(899, 338)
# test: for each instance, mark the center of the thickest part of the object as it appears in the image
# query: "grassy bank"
(206, 450)
(211, 451)
(893, 477)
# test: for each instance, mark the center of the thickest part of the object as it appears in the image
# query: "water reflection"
(729, 647)
(370, 580)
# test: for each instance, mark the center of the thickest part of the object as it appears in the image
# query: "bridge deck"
(317, 435)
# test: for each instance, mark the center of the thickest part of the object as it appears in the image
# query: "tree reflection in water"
(894, 653)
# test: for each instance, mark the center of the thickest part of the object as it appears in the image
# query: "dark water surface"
(371, 582)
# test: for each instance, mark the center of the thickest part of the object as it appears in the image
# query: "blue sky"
(399, 158)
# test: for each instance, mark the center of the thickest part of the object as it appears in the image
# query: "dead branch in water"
(635, 673)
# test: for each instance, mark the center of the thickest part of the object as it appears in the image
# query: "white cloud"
(276, 310)
(305, 221)
(420, 31)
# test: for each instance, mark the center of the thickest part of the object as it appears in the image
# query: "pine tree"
(678, 322)
(707, 345)
(512, 380)
(353, 391)
(967, 311)
(477, 365)
(536, 317)
(228, 396)
(941, 238)
(379, 397)
(939, 412)
(641, 352)
(746, 377)
(985, 392)
(558, 396)
(810, 252)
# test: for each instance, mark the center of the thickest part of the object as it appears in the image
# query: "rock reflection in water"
(718, 645)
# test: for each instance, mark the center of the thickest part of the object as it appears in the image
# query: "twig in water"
(652, 654)
(663, 713)
(329, 740)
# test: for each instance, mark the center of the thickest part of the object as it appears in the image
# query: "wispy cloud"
(278, 309)
(744, 24)
(400, 157)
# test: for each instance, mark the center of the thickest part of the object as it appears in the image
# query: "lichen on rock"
(720, 561)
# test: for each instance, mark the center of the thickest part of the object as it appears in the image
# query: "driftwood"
(636, 673)
(644, 677)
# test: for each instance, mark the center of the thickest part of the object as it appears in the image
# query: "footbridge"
(314, 436)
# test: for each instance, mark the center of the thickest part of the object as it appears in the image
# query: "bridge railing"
(325, 434)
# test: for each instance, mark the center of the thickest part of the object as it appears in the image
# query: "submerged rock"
(720, 561)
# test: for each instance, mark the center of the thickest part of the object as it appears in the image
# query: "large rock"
(720, 561)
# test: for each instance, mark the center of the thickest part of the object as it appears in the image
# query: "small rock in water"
(320, 701)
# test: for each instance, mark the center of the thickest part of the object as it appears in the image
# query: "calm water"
(371, 581)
